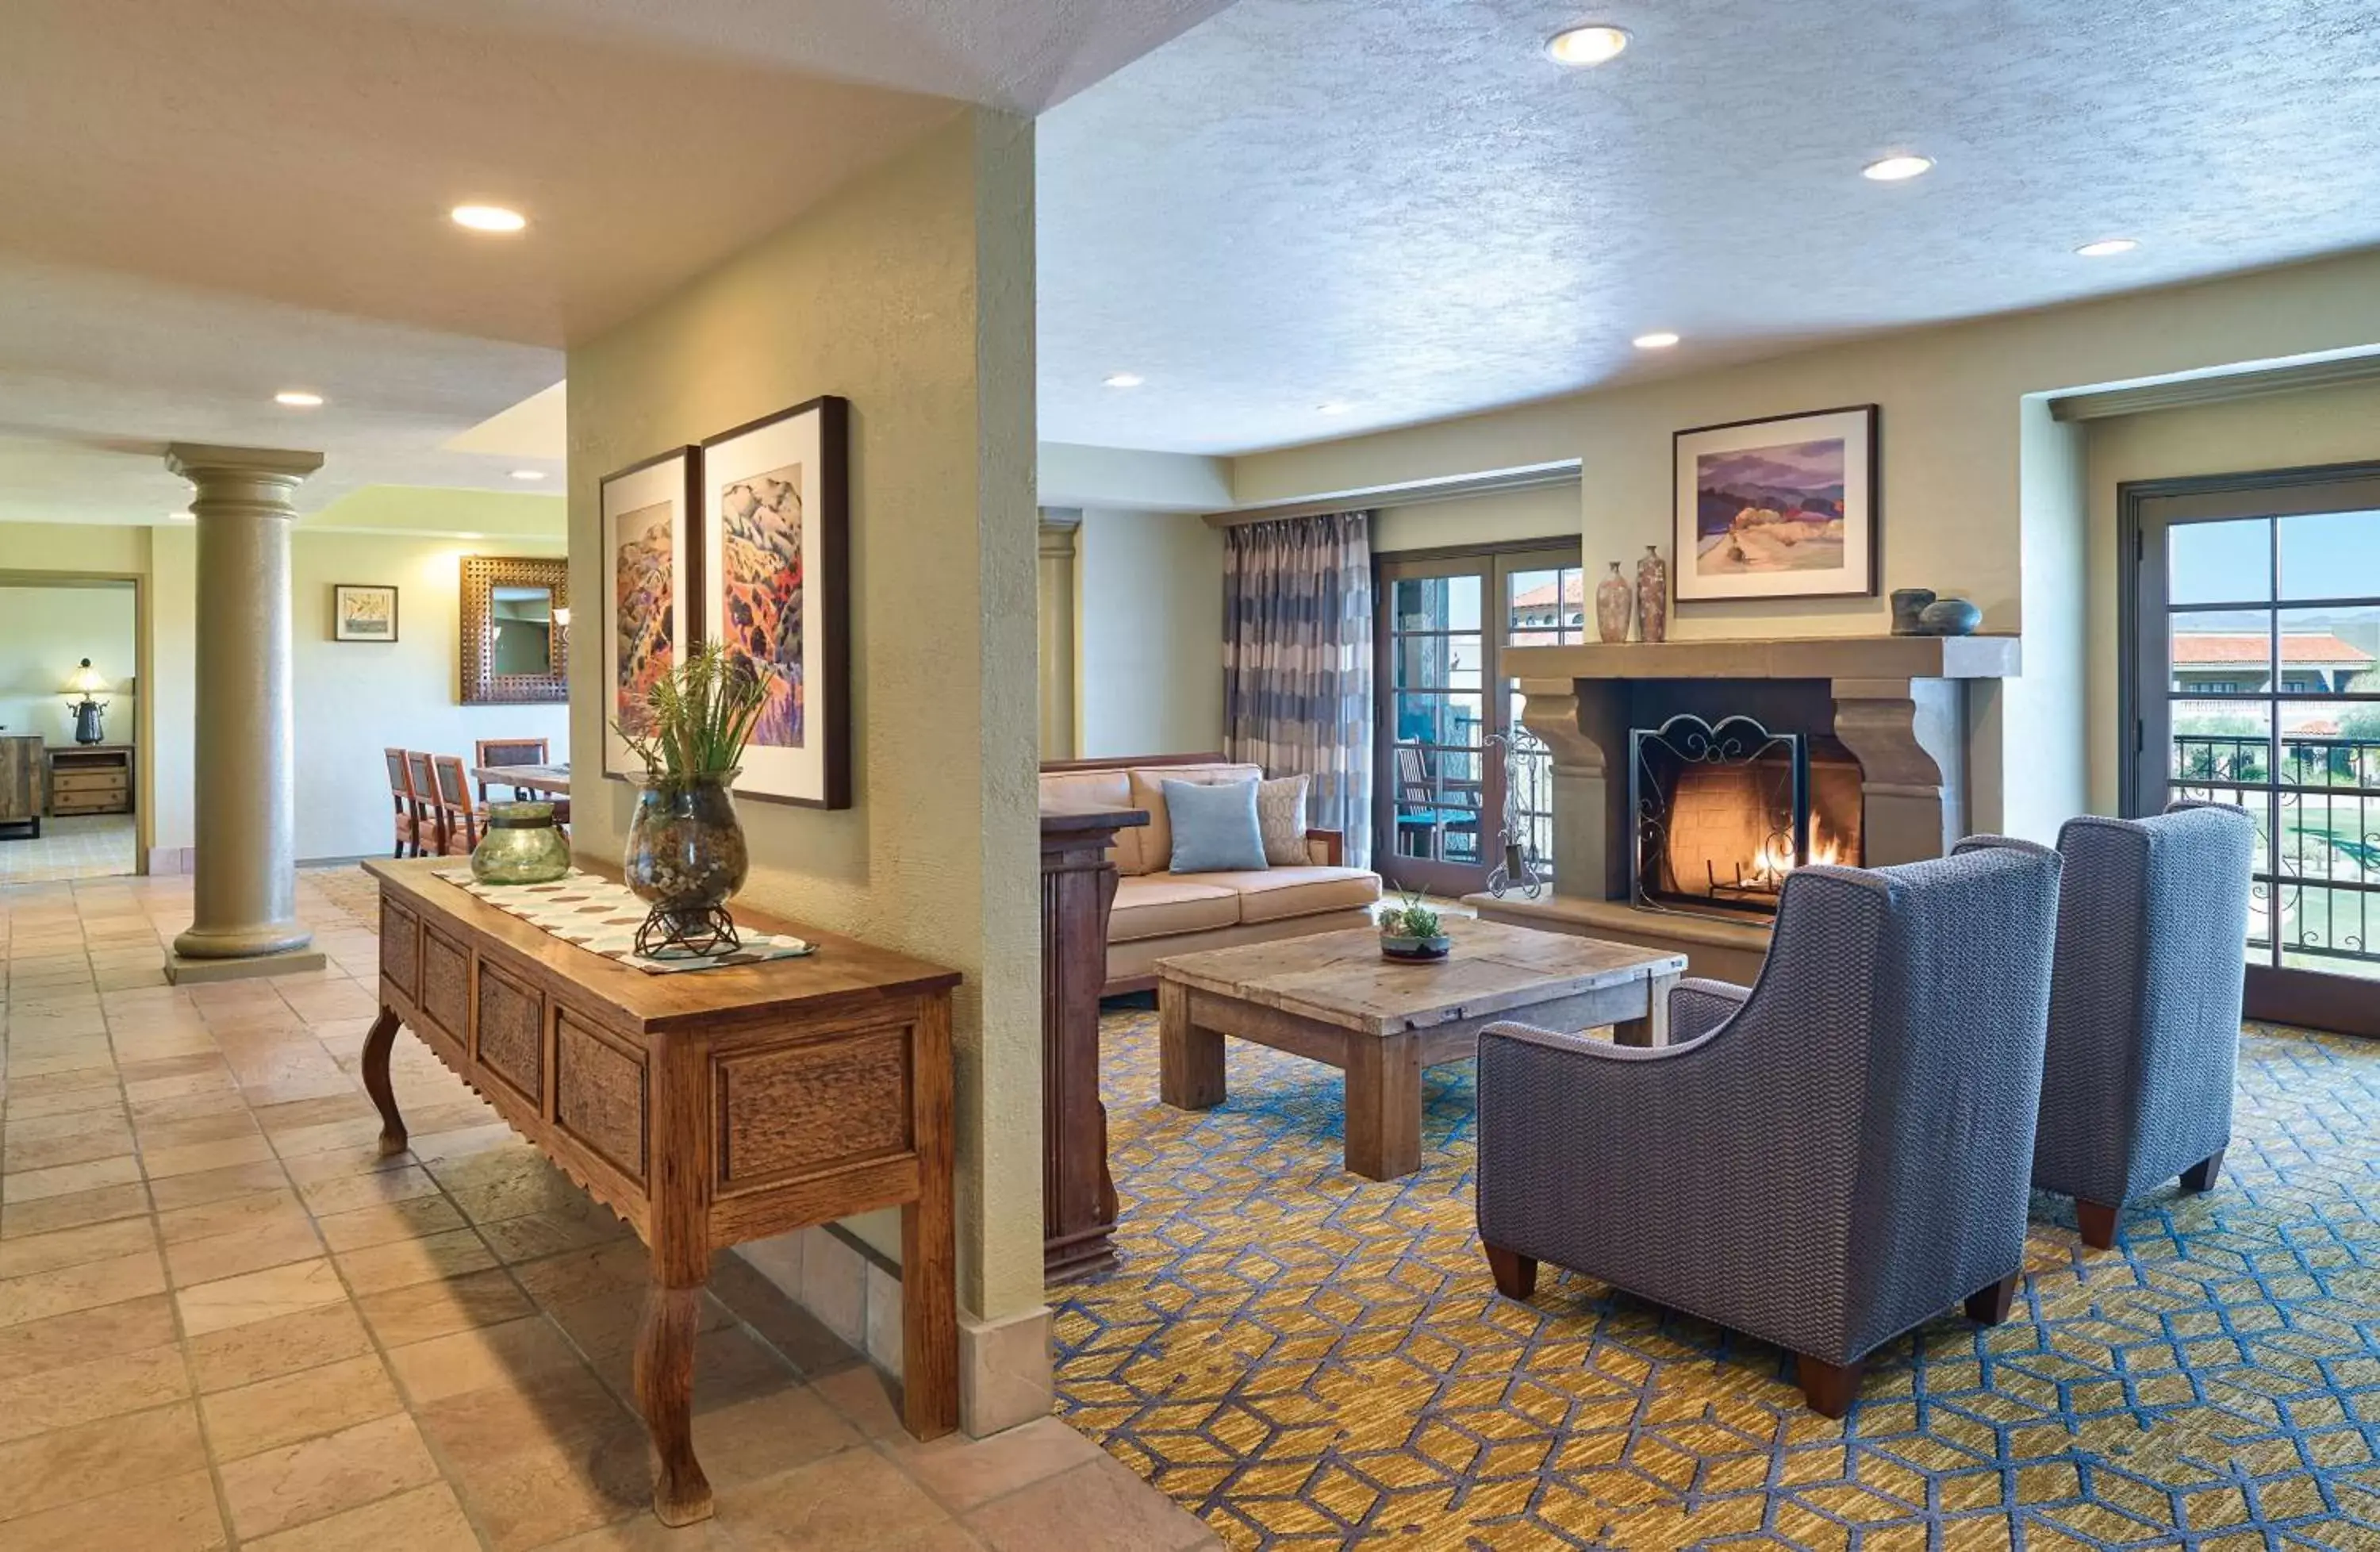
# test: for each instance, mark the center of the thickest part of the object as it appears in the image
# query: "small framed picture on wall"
(649, 587)
(361, 611)
(1780, 508)
(776, 569)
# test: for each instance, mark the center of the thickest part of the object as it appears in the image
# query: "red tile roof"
(1573, 591)
(2297, 647)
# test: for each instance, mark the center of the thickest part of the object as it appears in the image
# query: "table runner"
(594, 914)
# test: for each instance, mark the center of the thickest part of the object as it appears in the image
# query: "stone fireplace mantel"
(1899, 706)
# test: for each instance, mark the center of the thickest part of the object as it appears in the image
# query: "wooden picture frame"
(1784, 506)
(363, 612)
(491, 676)
(775, 573)
(649, 600)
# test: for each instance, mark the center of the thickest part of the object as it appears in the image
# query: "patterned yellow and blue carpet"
(1308, 1359)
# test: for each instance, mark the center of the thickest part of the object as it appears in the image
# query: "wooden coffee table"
(1332, 999)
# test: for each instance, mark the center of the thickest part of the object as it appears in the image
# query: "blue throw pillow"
(1215, 827)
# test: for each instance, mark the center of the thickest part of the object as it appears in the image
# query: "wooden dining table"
(551, 780)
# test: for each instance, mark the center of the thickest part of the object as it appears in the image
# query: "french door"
(2254, 640)
(1455, 773)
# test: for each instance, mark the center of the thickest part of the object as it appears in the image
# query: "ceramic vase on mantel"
(1652, 596)
(1615, 604)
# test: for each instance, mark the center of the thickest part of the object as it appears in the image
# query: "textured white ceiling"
(202, 202)
(1402, 206)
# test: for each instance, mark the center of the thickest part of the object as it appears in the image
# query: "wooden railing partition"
(1079, 885)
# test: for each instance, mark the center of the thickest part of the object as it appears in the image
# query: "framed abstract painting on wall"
(650, 588)
(362, 612)
(1778, 508)
(775, 570)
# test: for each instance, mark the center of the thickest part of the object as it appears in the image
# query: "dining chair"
(429, 824)
(459, 819)
(400, 792)
(486, 752)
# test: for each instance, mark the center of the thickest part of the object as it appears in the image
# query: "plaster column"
(1057, 593)
(244, 894)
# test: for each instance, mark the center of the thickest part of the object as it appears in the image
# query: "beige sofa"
(1160, 913)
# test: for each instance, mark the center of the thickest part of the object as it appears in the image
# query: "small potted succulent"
(1411, 931)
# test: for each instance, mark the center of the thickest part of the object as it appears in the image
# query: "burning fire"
(1776, 859)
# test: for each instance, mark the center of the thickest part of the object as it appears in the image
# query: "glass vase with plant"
(686, 849)
(1412, 929)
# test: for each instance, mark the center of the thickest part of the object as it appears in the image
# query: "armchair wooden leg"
(1990, 1305)
(1829, 1388)
(1516, 1275)
(2099, 1220)
(2203, 1175)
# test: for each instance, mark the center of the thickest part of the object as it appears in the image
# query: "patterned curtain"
(1297, 662)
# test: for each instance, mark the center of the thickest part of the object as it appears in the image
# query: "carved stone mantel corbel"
(1580, 721)
(1909, 738)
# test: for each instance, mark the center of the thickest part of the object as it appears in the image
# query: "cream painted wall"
(45, 632)
(910, 293)
(349, 698)
(173, 671)
(1495, 517)
(2281, 430)
(353, 699)
(1148, 594)
(1959, 506)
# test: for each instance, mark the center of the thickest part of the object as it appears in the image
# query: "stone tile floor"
(224, 1321)
(81, 846)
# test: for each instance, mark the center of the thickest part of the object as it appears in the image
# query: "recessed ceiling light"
(1897, 169)
(528, 474)
(2107, 248)
(487, 218)
(297, 398)
(1125, 379)
(1581, 47)
(182, 517)
(1659, 339)
(1334, 407)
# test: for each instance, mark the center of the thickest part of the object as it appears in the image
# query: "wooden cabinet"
(1079, 885)
(90, 779)
(706, 1108)
(22, 774)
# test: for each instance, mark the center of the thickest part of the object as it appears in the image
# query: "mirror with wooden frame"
(516, 629)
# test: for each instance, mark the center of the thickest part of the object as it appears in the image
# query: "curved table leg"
(665, 1382)
(377, 1042)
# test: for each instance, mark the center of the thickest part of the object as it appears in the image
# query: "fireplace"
(1721, 812)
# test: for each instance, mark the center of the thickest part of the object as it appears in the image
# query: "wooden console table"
(1078, 886)
(706, 1108)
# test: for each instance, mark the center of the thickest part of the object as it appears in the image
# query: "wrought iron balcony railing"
(2315, 798)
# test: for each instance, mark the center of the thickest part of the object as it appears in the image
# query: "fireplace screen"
(1722, 814)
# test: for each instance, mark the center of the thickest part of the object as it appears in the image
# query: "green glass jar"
(522, 845)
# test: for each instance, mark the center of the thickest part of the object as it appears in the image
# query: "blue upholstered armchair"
(2144, 1008)
(1824, 1161)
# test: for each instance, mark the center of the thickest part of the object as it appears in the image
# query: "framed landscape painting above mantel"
(650, 588)
(775, 589)
(1783, 507)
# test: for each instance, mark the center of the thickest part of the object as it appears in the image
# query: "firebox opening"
(1725, 812)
